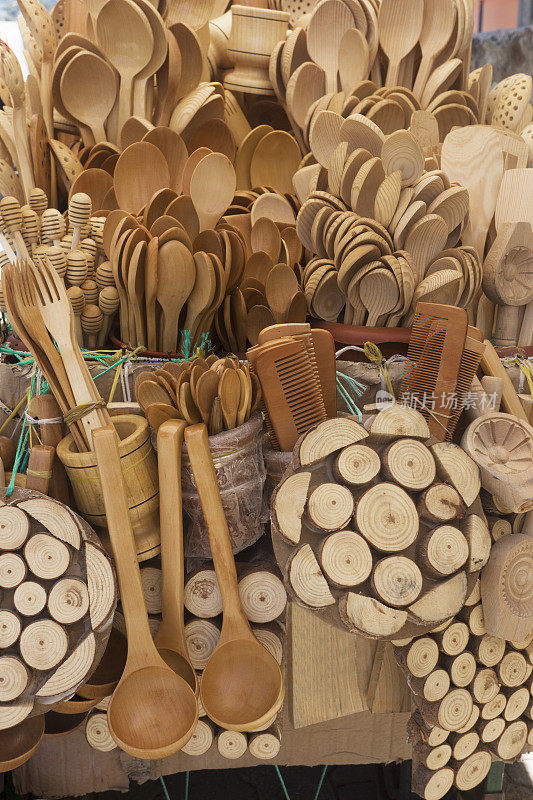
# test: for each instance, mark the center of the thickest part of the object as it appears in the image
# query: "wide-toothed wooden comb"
(321, 348)
(292, 396)
(434, 358)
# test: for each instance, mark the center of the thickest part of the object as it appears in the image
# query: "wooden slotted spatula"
(434, 358)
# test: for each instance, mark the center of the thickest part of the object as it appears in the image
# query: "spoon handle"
(234, 619)
(169, 441)
(105, 443)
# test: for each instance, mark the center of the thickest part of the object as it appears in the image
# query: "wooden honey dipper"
(77, 301)
(11, 214)
(66, 242)
(76, 267)
(30, 228)
(38, 201)
(104, 275)
(90, 290)
(88, 246)
(108, 302)
(79, 211)
(91, 323)
(51, 227)
(58, 260)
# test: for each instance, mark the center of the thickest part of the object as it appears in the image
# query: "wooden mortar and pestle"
(242, 685)
(153, 711)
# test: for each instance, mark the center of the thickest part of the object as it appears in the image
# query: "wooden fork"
(29, 325)
(53, 305)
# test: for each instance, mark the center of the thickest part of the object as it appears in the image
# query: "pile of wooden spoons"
(222, 393)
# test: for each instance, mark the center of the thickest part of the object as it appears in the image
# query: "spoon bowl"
(241, 685)
(19, 743)
(134, 714)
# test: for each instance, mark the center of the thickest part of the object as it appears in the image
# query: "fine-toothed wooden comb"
(321, 348)
(437, 342)
(470, 361)
(292, 395)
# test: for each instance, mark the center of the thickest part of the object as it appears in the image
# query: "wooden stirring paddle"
(170, 639)
(238, 660)
(153, 710)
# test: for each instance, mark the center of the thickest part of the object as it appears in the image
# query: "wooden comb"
(437, 342)
(470, 361)
(321, 348)
(291, 393)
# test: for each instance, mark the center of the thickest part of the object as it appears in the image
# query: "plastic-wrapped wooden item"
(59, 595)
(240, 470)
(372, 533)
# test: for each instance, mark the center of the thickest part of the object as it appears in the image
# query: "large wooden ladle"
(242, 684)
(170, 639)
(153, 711)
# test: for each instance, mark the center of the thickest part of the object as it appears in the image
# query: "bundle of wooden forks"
(41, 315)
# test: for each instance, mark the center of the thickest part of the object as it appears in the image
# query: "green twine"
(165, 790)
(355, 387)
(167, 796)
(284, 787)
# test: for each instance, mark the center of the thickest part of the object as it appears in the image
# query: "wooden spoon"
(170, 639)
(125, 36)
(176, 274)
(141, 171)
(205, 392)
(329, 21)
(202, 293)
(153, 710)
(229, 391)
(437, 28)
(212, 188)
(353, 59)
(89, 89)
(141, 101)
(238, 660)
(173, 148)
(19, 743)
(400, 24)
(158, 413)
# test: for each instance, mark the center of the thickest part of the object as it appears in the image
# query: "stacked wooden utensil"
(220, 392)
(295, 367)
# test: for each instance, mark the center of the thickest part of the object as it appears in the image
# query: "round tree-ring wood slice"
(43, 644)
(433, 757)
(68, 600)
(201, 739)
(330, 506)
(397, 581)
(14, 678)
(421, 656)
(370, 617)
(270, 639)
(432, 785)
(151, 578)
(98, 734)
(201, 637)
(29, 598)
(346, 558)
(232, 744)
(325, 438)
(202, 594)
(288, 504)
(307, 580)
(443, 550)
(476, 533)
(56, 518)
(490, 729)
(512, 669)
(12, 570)
(265, 745)
(461, 669)
(47, 557)
(357, 465)
(409, 463)
(473, 770)
(456, 467)
(10, 627)
(69, 674)
(398, 421)
(14, 528)
(495, 707)
(485, 685)
(263, 596)
(517, 703)
(454, 639)
(440, 503)
(386, 516)
(101, 584)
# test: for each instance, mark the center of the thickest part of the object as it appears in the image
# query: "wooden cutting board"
(329, 670)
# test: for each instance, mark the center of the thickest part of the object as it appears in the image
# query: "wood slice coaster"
(59, 594)
(373, 532)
